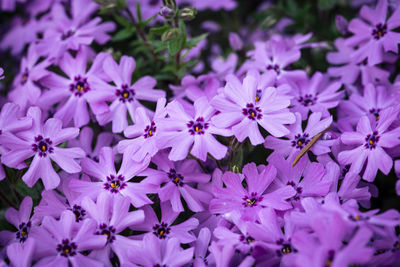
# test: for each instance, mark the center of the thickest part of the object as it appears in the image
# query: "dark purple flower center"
(42, 146)
(252, 112)
(108, 231)
(115, 184)
(125, 94)
(274, 67)
(247, 239)
(158, 265)
(307, 100)
(175, 177)
(252, 200)
(299, 190)
(23, 231)
(286, 247)
(357, 218)
(197, 127)
(375, 112)
(79, 86)
(330, 258)
(371, 140)
(379, 31)
(67, 248)
(25, 76)
(300, 140)
(67, 34)
(161, 230)
(396, 246)
(150, 130)
(79, 213)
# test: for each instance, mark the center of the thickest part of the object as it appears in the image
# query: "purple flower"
(377, 36)
(194, 88)
(235, 41)
(1, 74)
(112, 216)
(179, 179)
(165, 228)
(180, 131)
(244, 106)
(21, 254)
(9, 5)
(155, 252)
(213, 5)
(201, 248)
(298, 139)
(341, 24)
(42, 142)
(115, 183)
(70, 33)
(73, 93)
(62, 242)
(21, 219)
(222, 67)
(370, 142)
(144, 133)
(350, 70)
(123, 95)
(249, 201)
(316, 95)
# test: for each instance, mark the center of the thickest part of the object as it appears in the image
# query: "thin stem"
(142, 36)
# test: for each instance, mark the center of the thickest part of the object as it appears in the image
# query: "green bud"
(169, 35)
(170, 3)
(188, 13)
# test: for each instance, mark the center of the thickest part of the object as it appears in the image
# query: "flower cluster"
(155, 156)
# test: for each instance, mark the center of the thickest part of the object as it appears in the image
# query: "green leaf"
(176, 44)
(326, 4)
(123, 21)
(194, 41)
(123, 34)
(138, 12)
(236, 164)
(24, 190)
(160, 30)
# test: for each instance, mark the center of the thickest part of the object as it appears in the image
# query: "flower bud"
(235, 41)
(341, 24)
(188, 13)
(167, 12)
(170, 3)
(169, 35)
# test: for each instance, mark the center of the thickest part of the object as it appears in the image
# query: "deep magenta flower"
(180, 131)
(298, 139)
(72, 94)
(42, 142)
(165, 227)
(244, 106)
(112, 216)
(123, 95)
(179, 179)
(370, 142)
(62, 242)
(258, 194)
(376, 37)
(115, 183)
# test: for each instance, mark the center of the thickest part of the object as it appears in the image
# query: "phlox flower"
(194, 88)
(165, 228)
(244, 106)
(179, 179)
(298, 139)
(144, 133)
(42, 142)
(115, 183)
(62, 243)
(201, 259)
(375, 37)
(123, 95)
(249, 201)
(370, 141)
(112, 216)
(180, 131)
(21, 254)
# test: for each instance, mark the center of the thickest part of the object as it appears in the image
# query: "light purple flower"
(42, 142)
(258, 194)
(244, 106)
(180, 131)
(21, 254)
(194, 88)
(376, 37)
(1, 74)
(235, 41)
(61, 242)
(316, 94)
(73, 93)
(165, 228)
(144, 133)
(179, 179)
(123, 95)
(9, 5)
(115, 183)
(112, 216)
(370, 142)
(298, 139)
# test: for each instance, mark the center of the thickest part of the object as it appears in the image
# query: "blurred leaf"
(24, 190)
(123, 34)
(194, 41)
(326, 4)
(160, 30)
(122, 21)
